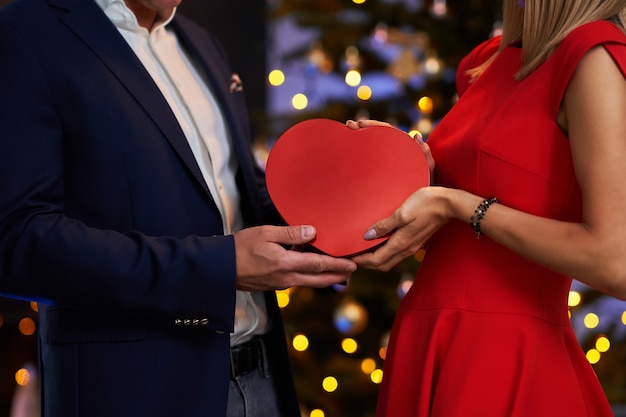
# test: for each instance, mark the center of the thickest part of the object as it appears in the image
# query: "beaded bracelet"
(479, 214)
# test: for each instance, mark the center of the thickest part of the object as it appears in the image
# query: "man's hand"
(264, 264)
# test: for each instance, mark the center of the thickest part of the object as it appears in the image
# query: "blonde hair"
(542, 24)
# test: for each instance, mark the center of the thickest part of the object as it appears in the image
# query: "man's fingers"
(313, 263)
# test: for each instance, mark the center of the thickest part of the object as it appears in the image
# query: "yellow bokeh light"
(414, 132)
(283, 298)
(593, 356)
(349, 345)
(330, 384)
(364, 92)
(603, 344)
(377, 376)
(624, 318)
(353, 78)
(316, 413)
(425, 105)
(276, 77)
(591, 321)
(27, 326)
(358, 1)
(299, 101)
(22, 377)
(574, 299)
(300, 342)
(368, 365)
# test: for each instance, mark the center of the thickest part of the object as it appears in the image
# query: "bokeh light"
(368, 365)
(300, 342)
(27, 326)
(353, 78)
(283, 298)
(364, 92)
(351, 317)
(593, 356)
(276, 77)
(299, 101)
(22, 376)
(591, 320)
(377, 376)
(603, 344)
(425, 126)
(574, 298)
(330, 384)
(349, 345)
(425, 105)
(414, 132)
(316, 413)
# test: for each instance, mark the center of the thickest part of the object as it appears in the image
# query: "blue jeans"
(252, 394)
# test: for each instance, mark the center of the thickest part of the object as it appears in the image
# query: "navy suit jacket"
(106, 220)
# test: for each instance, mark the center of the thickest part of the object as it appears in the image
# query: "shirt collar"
(123, 18)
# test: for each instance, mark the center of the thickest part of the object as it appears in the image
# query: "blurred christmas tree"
(391, 60)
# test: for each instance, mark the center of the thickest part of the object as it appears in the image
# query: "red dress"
(484, 332)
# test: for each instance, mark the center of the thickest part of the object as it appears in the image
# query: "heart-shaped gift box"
(341, 180)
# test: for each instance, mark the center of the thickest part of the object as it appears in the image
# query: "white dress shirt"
(201, 120)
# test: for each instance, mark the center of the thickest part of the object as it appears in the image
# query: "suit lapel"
(234, 111)
(91, 25)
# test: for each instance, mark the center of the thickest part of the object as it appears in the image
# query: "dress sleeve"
(572, 49)
(618, 52)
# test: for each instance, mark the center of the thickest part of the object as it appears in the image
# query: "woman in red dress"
(528, 192)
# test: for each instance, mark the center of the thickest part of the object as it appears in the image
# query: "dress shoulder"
(576, 44)
(476, 57)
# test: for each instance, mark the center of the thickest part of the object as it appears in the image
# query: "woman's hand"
(418, 139)
(409, 227)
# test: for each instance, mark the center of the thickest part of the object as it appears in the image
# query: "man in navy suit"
(132, 209)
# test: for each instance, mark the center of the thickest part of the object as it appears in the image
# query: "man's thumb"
(299, 234)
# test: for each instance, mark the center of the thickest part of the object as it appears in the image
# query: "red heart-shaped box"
(341, 180)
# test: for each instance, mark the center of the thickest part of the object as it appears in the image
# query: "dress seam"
(509, 313)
